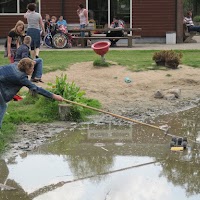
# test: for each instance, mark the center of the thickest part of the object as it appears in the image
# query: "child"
(13, 40)
(53, 25)
(23, 52)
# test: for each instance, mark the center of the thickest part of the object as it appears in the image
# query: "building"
(155, 17)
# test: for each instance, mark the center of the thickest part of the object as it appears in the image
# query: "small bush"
(196, 18)
(168, 58)
(73, 93)
(159, 57)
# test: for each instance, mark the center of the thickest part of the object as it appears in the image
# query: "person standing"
(13, 77)
(46, 21)
(83, 17)
(35, 25)
(13, 40)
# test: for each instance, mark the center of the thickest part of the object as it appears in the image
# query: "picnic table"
(129, 34)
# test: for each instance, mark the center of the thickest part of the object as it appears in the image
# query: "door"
(103, 11)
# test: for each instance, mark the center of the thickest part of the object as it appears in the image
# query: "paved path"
(181, 46)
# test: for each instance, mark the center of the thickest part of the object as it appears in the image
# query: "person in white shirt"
(117, 24)
(83, 17)
(189, 23)
(35, 25)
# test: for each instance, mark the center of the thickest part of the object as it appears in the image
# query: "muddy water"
(106, 162)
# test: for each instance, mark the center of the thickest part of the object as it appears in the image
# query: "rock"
(176, 92)
(64, 111)
(170, 97)
(158, 95)
(5, 187)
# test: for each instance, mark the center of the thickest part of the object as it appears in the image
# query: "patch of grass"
(135, 60)
(168, 75)
(101, 63)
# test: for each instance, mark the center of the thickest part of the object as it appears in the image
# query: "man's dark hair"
(31, 6)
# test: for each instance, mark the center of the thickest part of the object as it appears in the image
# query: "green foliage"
(73, 93)
(196, 18)
(68, 90)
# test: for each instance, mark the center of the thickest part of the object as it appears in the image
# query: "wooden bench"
(102, 36)
(84, 39)
(187, 36)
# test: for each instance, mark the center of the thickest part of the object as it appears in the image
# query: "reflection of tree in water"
(87, 165)
(82, 156)
(183, 170)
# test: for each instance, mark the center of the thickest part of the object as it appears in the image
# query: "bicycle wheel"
(48, 41)
(59, 40)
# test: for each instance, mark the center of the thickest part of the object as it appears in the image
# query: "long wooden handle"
(112, 114)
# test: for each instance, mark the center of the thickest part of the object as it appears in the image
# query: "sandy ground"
(108, 86)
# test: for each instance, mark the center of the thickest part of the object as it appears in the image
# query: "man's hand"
(58, 97)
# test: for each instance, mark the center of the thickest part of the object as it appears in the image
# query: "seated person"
(189, 23)
(118, 24)
(23, 52)
(61, 21)
(53, 25)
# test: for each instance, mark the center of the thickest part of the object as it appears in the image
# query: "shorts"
(35, 36)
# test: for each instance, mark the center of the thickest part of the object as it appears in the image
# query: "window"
(8, 7)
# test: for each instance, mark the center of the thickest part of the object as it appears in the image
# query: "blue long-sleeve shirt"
(12, 80)
(22, 52)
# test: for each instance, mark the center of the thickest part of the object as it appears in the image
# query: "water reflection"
(80, 164)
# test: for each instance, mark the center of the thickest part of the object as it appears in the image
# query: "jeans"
(37, 73)
(115, 34)
(82, 33)
(194, 28)
(3, 107)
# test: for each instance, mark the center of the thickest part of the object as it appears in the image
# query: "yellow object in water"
(177, 148)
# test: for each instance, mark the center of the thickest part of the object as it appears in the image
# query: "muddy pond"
(109, 162)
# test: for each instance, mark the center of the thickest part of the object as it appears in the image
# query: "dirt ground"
(108, 86)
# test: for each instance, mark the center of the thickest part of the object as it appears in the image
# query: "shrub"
(73, 93)
(196, 18)
(168, 58)
(173, 59)
(159, 57)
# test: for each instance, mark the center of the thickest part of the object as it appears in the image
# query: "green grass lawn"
(135, 60)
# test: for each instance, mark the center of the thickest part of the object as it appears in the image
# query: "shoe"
(17, 98)
(36, 80)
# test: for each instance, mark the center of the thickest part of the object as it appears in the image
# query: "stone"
(158, 94)
(176, 92)
(170, 97)
(64, 111)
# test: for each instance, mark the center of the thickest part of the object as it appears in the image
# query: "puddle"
(109, 162)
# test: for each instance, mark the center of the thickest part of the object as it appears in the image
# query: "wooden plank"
(129, 38)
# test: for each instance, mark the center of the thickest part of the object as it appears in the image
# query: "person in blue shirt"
(13, 77)
(24, 52)
(61, 21)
